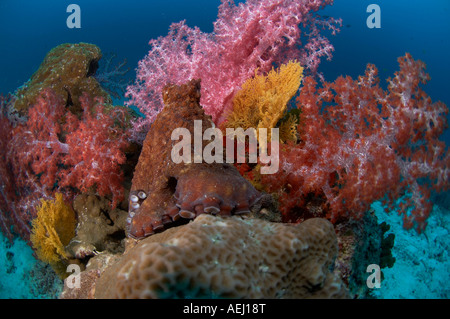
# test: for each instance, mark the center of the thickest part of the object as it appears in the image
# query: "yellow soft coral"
(263, 99)
(53, 228)
(288, 129)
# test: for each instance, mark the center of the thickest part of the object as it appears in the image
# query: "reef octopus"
(163, 191)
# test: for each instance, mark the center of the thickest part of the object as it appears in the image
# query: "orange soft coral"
(52, 230)
(262, 101)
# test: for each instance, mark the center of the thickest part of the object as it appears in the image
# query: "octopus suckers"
(142, 195)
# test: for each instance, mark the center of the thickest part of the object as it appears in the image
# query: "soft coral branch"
(19, 189)
(249, 36)
(360, 143)
(36, 148)
(96, 150)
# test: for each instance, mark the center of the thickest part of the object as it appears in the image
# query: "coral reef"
(262, 101)
(68, 70)
(355, 160)
(360, 143)
(163, 191)
(56, 150)
(60, 134)
(246, 37)
(217, 257)
(100, 228)
(53, 228)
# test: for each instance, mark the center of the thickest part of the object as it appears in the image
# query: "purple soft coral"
(249, 36)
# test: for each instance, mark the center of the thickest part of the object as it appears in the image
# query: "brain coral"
(230, 257)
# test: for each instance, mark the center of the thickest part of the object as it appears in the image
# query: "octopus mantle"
(163, 191)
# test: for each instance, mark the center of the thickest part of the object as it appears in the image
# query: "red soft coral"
(8, 215)
(55, 150)
(249, 36)
(36, 147)
(96, 149)
(360, 143)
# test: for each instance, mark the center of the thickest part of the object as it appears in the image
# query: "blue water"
(31, 28)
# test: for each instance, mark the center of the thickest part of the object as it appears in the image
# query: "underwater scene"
(276, 149)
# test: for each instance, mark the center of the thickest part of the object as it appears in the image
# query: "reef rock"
(162, 191)
(68, 70)
(217, 257)
(100, 228)
(87, 278)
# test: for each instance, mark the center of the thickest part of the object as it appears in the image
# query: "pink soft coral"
(252, 35)
(360, 143)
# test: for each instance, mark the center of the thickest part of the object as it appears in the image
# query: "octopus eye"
(134, 199)
(142, 195)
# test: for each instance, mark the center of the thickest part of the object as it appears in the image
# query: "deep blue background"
(30, 28)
